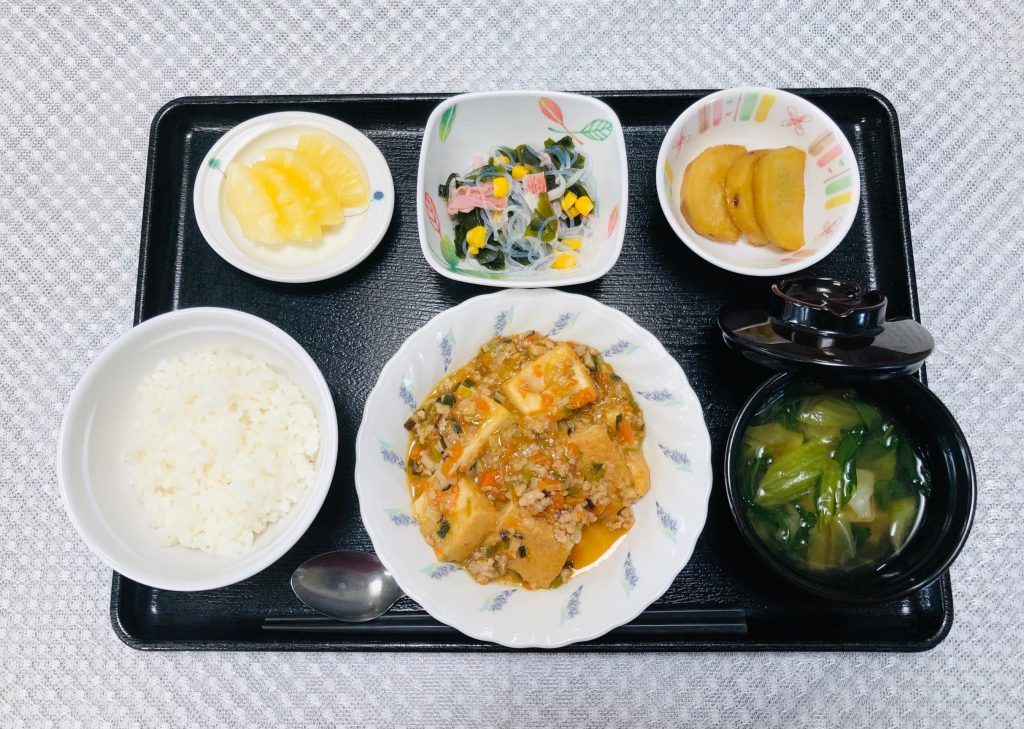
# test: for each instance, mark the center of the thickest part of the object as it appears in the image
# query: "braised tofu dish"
(523, 465)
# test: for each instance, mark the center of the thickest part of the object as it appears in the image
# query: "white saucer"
(340, 249)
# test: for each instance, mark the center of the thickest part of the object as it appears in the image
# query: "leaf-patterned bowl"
(469, 125)
(669, 518)
(761, 118)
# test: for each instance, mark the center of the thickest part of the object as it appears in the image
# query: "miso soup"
(830, 480)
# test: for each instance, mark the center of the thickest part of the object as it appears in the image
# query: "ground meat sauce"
(529, 456)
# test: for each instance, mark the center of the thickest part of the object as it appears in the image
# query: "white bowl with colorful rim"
(342, 247)
(467, 126)
(640, 567)
(761, 118)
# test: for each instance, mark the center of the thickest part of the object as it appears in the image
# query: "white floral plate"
(668, 519)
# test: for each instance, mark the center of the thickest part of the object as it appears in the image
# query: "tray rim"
(118, 583)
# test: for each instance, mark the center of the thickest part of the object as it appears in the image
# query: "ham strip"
(468, 197)
(535, 183)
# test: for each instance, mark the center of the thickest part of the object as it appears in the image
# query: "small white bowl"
(94, 485)
(342, 248)
(760, 118)
(669, 518)
(467, 126)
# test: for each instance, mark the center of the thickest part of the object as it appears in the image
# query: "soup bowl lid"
(828, 328)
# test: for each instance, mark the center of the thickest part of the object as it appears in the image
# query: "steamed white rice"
(222, 446)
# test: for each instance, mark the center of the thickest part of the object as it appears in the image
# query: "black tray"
(724, 599)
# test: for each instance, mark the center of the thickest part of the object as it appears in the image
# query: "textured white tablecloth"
(79, 84)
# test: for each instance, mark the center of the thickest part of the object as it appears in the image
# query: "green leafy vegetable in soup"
(830, 481)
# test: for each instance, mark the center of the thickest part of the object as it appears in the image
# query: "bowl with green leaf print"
(522, 189)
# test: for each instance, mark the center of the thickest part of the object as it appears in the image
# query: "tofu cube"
(537, 556)
(427, 514)
(556, 381)
(470, 516)
(600, 459)
(461, 455)
(639, 470)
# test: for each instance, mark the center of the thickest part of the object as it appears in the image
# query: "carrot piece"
(581, 398)
(626, 432)
(490, 478)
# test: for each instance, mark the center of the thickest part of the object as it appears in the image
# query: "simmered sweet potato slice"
(702, 196)
(778, 185)
(739, 196)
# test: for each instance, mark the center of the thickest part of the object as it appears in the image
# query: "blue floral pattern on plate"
(563, 322)
(623, 346)
(663, 397)
(405, 392)
(388, 453)
(572, 606)
(400, 518)
(629, 577)
(446, 343)
(501, 321)
(669, 526)
(679, 459)
(496, 602)
(440, 570)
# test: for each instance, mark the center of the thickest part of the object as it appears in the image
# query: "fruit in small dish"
(295, 194)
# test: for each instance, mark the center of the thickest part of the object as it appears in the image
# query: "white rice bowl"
(222, 446)
(103, 427)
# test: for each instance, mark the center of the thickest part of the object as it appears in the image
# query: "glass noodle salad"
(523, 209)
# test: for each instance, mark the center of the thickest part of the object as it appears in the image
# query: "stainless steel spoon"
(345, 585)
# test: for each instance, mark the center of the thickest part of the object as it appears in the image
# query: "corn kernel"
(518, 172)
(574, 243)
(568, 200)
(566, 260)
(500, 187)
(584, 205)
(476, 237)
(500, 160)
(573, 212)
